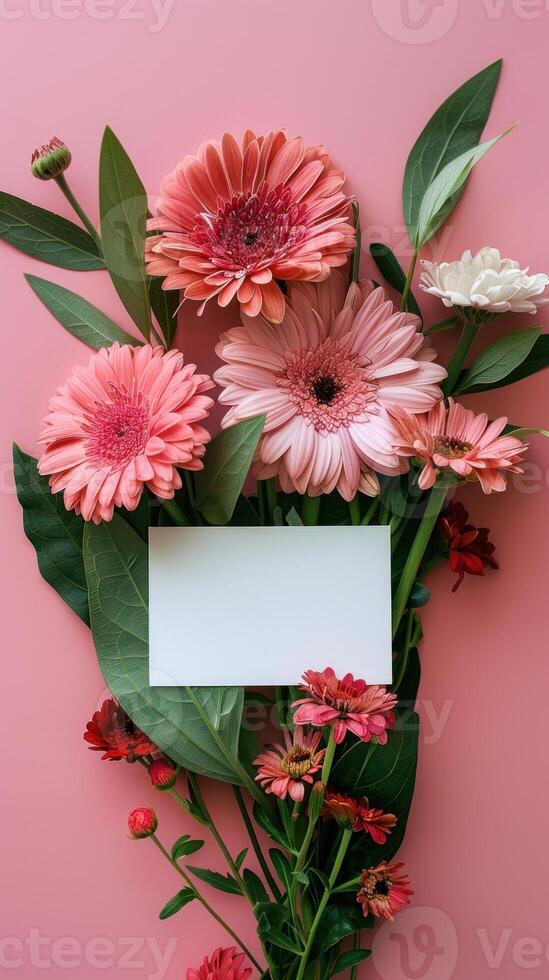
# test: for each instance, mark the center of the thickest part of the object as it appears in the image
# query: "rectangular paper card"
(258, 606)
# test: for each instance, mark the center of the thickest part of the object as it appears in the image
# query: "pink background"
(333, 72)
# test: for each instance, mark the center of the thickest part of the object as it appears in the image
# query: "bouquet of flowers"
(337, 407)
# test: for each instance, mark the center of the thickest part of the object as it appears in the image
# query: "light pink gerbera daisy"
(325, 379)
(126, 420)
(237, 217)
(286, 769)
(348, 705)
(223, 964)
(470, 445)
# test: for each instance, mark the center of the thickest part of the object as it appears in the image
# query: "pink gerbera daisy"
(286, 769)
(223, 964)
(325, 379)
(126, 420)
(237, 217)
(384, 890)
(457, 438)
(351, 705)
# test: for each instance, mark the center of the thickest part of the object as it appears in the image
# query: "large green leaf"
(164, 303)
(78, 316)
(55, 533)
(392, 271)
(176, 903)
(441, 196)
(197, 727)
(498, 360)
(47, 236)
(123, 209)
(228, 460)
(455, 127)
(537, 360)
(386, 775)
(338, 922)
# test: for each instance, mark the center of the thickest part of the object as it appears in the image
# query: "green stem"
(406, 651)
(409, 572)
(355, 259)
(63, 186)
(175, 512)
(216, 835)
(408, 283)
(272, 499)
(261, 502)
(189, 486)
(256, 845)
(356, 945)
(466, 341)
(354, 510)
(310, 510)
(370, 513)
(345, 841)
(198, 895)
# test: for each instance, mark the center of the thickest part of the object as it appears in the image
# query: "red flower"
(113, 732)
(142, 822)
(356, 813)
(469, 547)
(384, 890)
(347, 705)
(223, 964)
(162, 773)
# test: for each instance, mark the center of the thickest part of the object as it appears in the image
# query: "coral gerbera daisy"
(286, 768)
(239, 216)
(126, 420)
(351, 705)
(384, 890)
(455, 437)
(469, 549)
(325, 378)
(358, 815)
(223, 964)
(113, 732)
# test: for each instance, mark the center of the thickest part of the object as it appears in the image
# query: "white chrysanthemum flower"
(485, 283)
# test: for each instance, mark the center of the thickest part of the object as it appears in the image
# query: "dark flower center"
(452, 448)
(325, 388)
(251, 238)
(382, 887)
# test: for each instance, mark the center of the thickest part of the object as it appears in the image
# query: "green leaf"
(510, 430)
(498, 360)
(293, 519)
(537, 360)
(272, 934)
(455, 127)
(196, 727)
(386, 775)
(164, 304)
(54, 532)
(282, 867)
(347, 960)
(47, 236)
(78, 316)
(178, 902)
(449, 324)
(228, 460)
(255, 887)
(185, 846)
(241, 858)
(441, 196)
(223, 883)
(338, 922)
(123, 209)
(392, 271)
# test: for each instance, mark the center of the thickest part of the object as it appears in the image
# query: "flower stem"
(408, 283)
(175, 512)
(342, 850)
(256, 845)
(63, 186)
(355, 257)
(272, 499)
(466, 341)
(370, 513)
(198, 895)
(310, 510)
(354, 511)
(409, 572)
(406, 651)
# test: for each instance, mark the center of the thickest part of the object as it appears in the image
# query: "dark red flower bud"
(142, 822)
(163, 775)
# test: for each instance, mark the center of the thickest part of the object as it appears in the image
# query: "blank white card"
(258, 606)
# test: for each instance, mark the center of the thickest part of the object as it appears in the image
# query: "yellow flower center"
(452, 448)
(297, 762)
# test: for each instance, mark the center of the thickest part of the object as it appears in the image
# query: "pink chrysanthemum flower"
(348, 705)
(223, 964)
(286, 769)
(384, 890)
(126, 420)
(325, 378)
(456, 437)
(235, 218)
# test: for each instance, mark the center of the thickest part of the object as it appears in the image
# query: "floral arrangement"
(339, 409)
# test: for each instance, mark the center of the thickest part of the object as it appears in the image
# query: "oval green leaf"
(176, 903)
(79, 317)
(47, 236)
(537, 360)
(498, 360)
(228, 460)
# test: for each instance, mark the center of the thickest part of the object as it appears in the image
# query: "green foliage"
(79, 317)
(228, 460)
(392, 271)
(223, 883)
(498, 361)
(47, 236)
(184, 846)
(176, 903)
